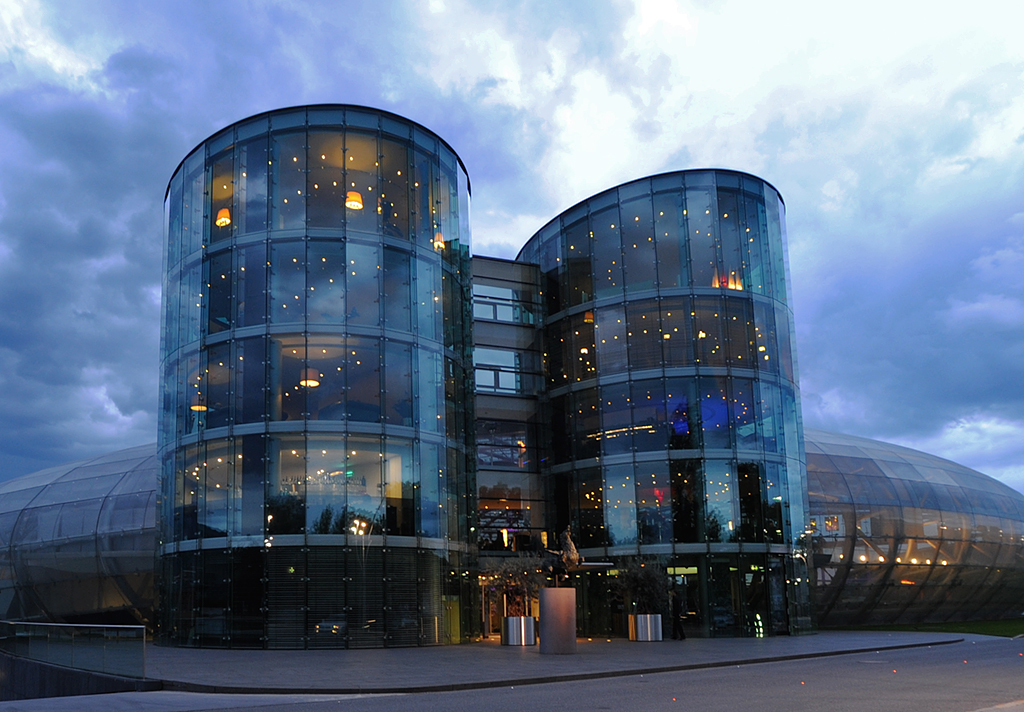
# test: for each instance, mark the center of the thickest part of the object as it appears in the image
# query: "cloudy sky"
(894, 130)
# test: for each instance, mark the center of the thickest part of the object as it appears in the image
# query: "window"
(497, 370)
(500, 304)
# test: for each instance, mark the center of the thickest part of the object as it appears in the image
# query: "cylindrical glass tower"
(317, 472)
(672, 397)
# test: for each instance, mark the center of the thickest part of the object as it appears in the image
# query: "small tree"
(643, 581)
(517, 579)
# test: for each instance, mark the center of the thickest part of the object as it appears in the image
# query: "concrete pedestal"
(558, 621)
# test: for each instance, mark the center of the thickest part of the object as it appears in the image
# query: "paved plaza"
(831, 671)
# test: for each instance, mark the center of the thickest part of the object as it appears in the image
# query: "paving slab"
(488, 664)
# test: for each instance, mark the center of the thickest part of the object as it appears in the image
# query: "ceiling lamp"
(438, 241)
(223, 217)
(354, 200)
(310, 378)
(197, 406)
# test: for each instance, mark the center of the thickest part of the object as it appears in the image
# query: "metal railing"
(111, 649)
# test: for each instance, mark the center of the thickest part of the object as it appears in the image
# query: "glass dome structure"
(78, 542)
(900, 536)
(671, 394)
(317, 386)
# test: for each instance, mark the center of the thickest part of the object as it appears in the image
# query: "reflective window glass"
(397, 290)
(250, 380)
(287, 372)
(325, 179)
(422, 198)
(362, 288)
(643, 330)
(742, 414)
(616, 419)
(222, 194)
(251, 166)
(707, 327)
(398, 408)
(325, 367)
(754, 233)
(399, 488)
(677, 331)
(764, 337)
(620, 505)
(587, 418)
(362, 191)
(638, 254)
(719, 487)
(700, 212)
(687, 505)
(287, 282)
(670, 236)
(590, 506)
(394, 198)
(218, 476)
(325, 282)
(607, 249)
(365, 486)
(580, 287)
(584, 361)
(251, 285)
(218, 386)
(714, 416)
(363, 387)
(733, 248)
(288, 181)
(653, 502)
(326, 478)
(286, 486)
(218, 299)
(649, 424)
(739, 333)
(610, 333)
(683, 413)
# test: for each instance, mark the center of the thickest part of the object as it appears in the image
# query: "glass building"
(77, 541)
(671, 396)
(316, 431)
(900, 536)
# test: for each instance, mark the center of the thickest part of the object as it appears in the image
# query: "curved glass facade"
(77, 542)
(317, 386)
(672, 397)
(900, 536)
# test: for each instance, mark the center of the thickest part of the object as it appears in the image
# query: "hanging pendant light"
(354, 200)
(197, 406)
(223, 217)
(310, 378)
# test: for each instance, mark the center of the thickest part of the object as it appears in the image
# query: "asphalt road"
(975, 675)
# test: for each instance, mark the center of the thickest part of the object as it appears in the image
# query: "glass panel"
(669, 231)
(363, 285)
(653, 502)
(584, 360)
(250, 380)
(686, 500)
(399, 484)
(755, 234)
(587, 416)
(764, 337)
(252, 164)
(394, 199)
(288, 178)
(325, 282)
(222, 194)
(677, 331)
(684, 420)
(287, 282)
(611, 335)
(397, 290)
(750, 497)
(363, 379)
(648, 400)
(251, 285)
(219, 473)
(616, 419)
(287, 366)
(707, 326)
(398, 384)
(741, 413)
(714, 415)
(739, 332)
(286, 485)
(428, 393)
(429, 508)
(422, 199)
(700, 211)
(325, 365)
(644, 334)
(325, 181)
(638, 252)
(578, 241)
(326, 477)
(192, 236)
(428, 299)
(218, 288)
(604, 227)
(365, 486)
(620, 505)
(720, 522)
(362, 197)
(590, 506)
(218, 385)
(729, 234)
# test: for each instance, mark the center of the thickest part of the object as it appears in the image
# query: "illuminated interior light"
(223, 217)
(354, 200)
(310, 378)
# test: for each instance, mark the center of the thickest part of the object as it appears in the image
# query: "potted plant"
(644, 588)
(516, 580)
